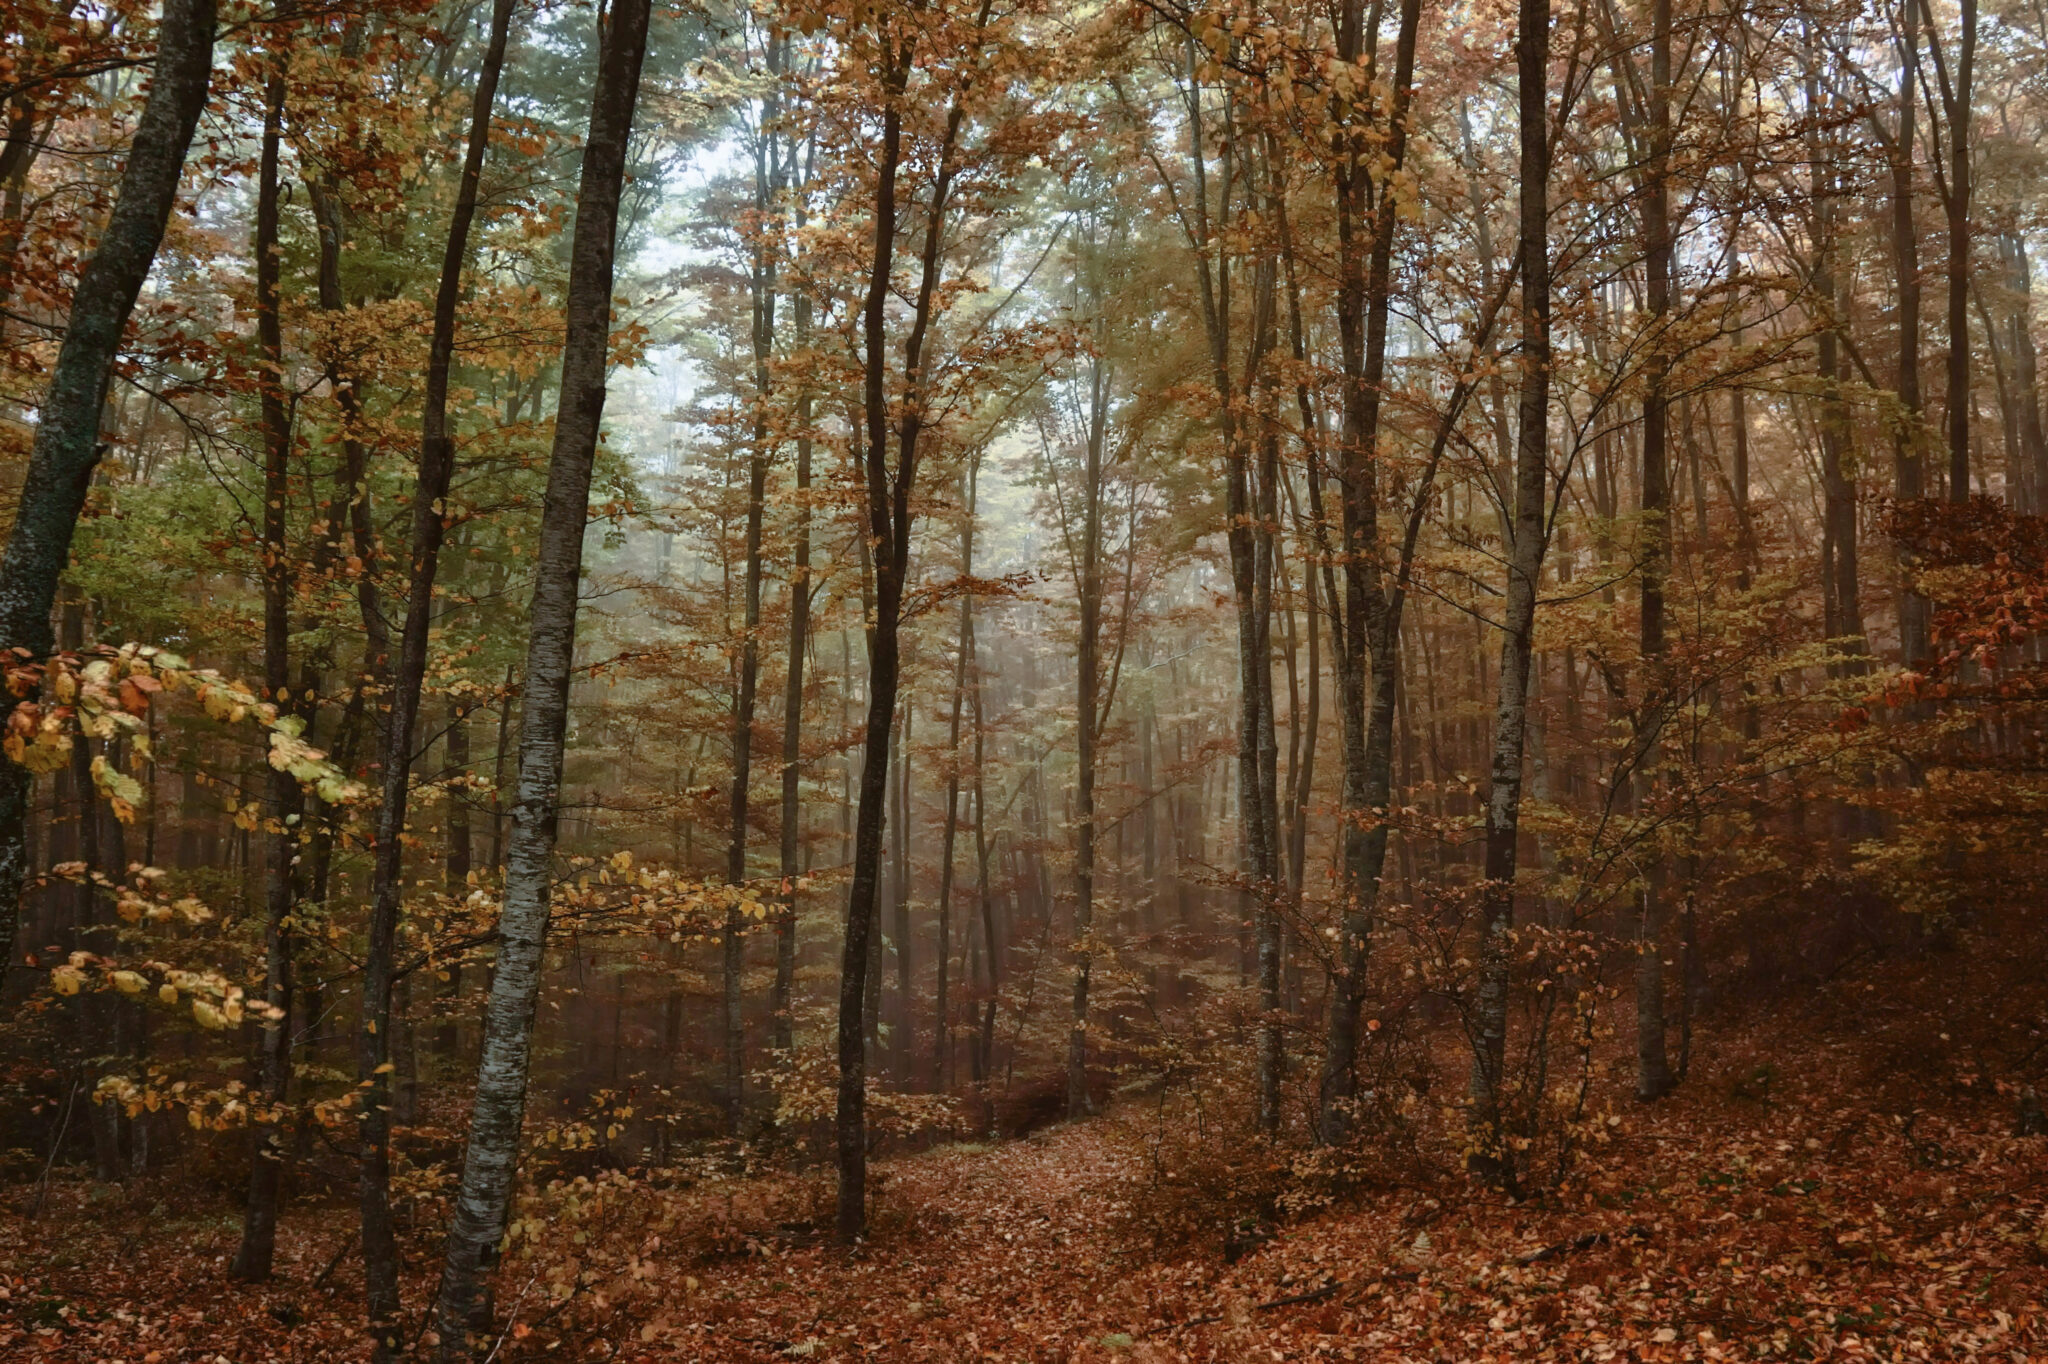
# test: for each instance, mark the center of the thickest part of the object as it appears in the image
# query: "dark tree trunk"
(1653, 1065)
(767, 186)
(374, 1049)
(942, 1032)
(882, 513)
(1088, 732)
(254, 1257)
(1910, 445)
(793, 706)
(1959, 121)
(1366, 645)
(483, 1201)
(888, 525)
(1525, 563)
(67, 446)
(456, 866)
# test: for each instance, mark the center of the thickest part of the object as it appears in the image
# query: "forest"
(1023, 680)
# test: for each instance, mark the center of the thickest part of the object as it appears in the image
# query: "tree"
(477, 1223)
(67, 442)
(1527, 541)
(374, 1065)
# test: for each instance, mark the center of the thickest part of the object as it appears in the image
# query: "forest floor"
(1752, 1215)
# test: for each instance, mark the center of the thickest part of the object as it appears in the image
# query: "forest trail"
(1727, 1223)
(1723, 1229)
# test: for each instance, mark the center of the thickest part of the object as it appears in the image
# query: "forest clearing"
(1023, 680)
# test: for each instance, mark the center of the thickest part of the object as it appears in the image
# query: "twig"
(347, 1244)
(63, 1127)
(1293, 1299)
(1313, 1295)
(1578, 1243)
(512, 1319)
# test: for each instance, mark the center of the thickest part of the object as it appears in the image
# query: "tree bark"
(793, 705)
(67, 447)
(1525, 563)
(1909, 464)
(942, 1031)
(285, 803)
(1959, 121)
(1088, 731)
(1653, 1065)
(888, 526)
(767, 185)
(1366, 646)
(374, 1065)
(483, 1201)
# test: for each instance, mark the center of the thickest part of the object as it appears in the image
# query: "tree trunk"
(456, 866)
(888, 524)
(1959, 256)
(2026, 380)
(984, 1045)
(1088, 730)
(767, 184)
(1653, 1065)
(1909, 472)
(1366, 690)
(67, 447)
(883, 662)
(900, 1047)
(483, 1201)
(942, 1031)
(793, 704)
(374, 1051)
(1525, 563)
(254, 1257)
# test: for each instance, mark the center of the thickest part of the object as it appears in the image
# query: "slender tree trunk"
(253, 1259)
(2026, 379)
(1269, 867)
(374, 1050)
(767, 185)
(1959, 174)
(483, 1201)
(1909, 446)
(900, 1048)
(793, 704)
(1088, 730)
(456, 866)
(1525, 564)
(883, 664)
(1653, 1066)
(984, 1047)
(1838, 464)
(67, 447)
(942, 1031)
(1370, 624)
(889, 524)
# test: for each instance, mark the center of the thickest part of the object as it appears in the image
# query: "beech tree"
(1338, 626)
(67, 444)
(477, 1223)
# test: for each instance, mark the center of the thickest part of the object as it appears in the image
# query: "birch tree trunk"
(483, 1201)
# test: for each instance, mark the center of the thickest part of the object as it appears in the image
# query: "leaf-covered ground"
(1753, 1216)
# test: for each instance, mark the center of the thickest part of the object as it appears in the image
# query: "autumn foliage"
(1026, 681)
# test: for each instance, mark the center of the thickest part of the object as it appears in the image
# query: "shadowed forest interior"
(1005, 679)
